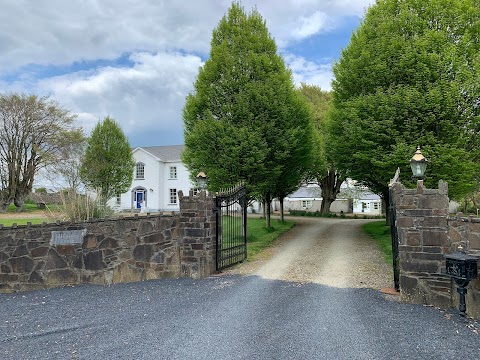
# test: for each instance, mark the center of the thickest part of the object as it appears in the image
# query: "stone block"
(428, 256)
(435, 222)
(412, 238)
(418, 212)
(153, 238)
(21, 250)
(423, 266)
(142, 252)
(36, 277)
(54, 261)
(3, 256)
(145, 228)
(474, 241)
(39, 252)
(433, 202)
(21, 264)
(93, 260)
(405, 222)
(159, 258)
(61, 277)
(434, 238)
(68, 250)
(108, 243)
(89, 241)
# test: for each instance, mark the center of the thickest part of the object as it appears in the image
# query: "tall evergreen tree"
(410, 76)
(244, 120)
(108, 163)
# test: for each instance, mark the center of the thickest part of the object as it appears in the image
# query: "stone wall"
(465, 231)
(426, 234)
(111, 250)
(422, 234)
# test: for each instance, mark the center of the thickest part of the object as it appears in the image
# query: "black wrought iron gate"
(393, 230)
(231, 228)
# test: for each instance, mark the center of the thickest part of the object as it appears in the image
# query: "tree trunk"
(264, 208)
(282, 217)
(330, 186)
(268, 211)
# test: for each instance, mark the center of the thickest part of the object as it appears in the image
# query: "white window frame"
(118, 200)
(140, 171)
(307, 204)
(173, 197)
(173, 173)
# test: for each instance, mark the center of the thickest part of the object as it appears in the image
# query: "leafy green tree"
(323, 170)
(108, 162)
(34, 132)
(244, 120)
(410, 76)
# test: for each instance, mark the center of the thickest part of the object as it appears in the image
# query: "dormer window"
(140, 171)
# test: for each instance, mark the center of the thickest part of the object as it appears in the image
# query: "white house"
(350, 199)
(159, 175)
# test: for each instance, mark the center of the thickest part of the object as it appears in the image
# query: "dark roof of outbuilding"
(164, 153)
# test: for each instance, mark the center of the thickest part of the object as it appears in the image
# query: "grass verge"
(259, 237)
(381, 234)
(10, 222)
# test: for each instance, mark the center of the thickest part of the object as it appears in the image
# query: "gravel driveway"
(281, 313)
(333, 252)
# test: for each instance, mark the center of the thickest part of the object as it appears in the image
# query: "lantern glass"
(418, 168)
(202, 181)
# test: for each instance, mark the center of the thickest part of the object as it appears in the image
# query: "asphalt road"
(228, 317)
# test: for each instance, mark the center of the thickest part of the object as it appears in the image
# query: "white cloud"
(310, 72)
(147, 97)
(311, 25)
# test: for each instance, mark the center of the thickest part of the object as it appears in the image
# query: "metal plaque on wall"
(68, 237)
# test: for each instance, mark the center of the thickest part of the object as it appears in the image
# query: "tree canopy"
(409, 77)
(108, 163)
(244, 120)
(34, 132)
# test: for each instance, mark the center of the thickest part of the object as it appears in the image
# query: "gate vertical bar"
(393, 230)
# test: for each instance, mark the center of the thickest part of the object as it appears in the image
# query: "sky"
(137, 60)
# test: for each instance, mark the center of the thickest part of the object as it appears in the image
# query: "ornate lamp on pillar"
(418, 163)
(202, 180)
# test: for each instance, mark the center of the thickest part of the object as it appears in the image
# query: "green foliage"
(244, 120)
(33, 133)
(259, 237)
(381, 234)
(108, 163)
(410, 76)
(41, 190)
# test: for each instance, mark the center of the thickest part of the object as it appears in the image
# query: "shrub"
(80, 207)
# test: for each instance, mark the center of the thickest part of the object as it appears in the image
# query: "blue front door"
(139, 198)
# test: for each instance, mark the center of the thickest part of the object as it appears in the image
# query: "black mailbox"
(461, 266)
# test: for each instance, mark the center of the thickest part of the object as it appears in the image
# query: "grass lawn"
(33, 220)
(381, 234)
(259, 237)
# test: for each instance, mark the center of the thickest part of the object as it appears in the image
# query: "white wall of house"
(158, 188)
(372, 207)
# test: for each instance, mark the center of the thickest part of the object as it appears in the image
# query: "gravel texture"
(239, 316)
(333, 252)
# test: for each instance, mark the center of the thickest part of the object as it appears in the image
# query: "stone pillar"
(422, 233)
(197, 235)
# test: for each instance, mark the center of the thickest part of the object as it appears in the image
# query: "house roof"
(164, 153)
(307, 192)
